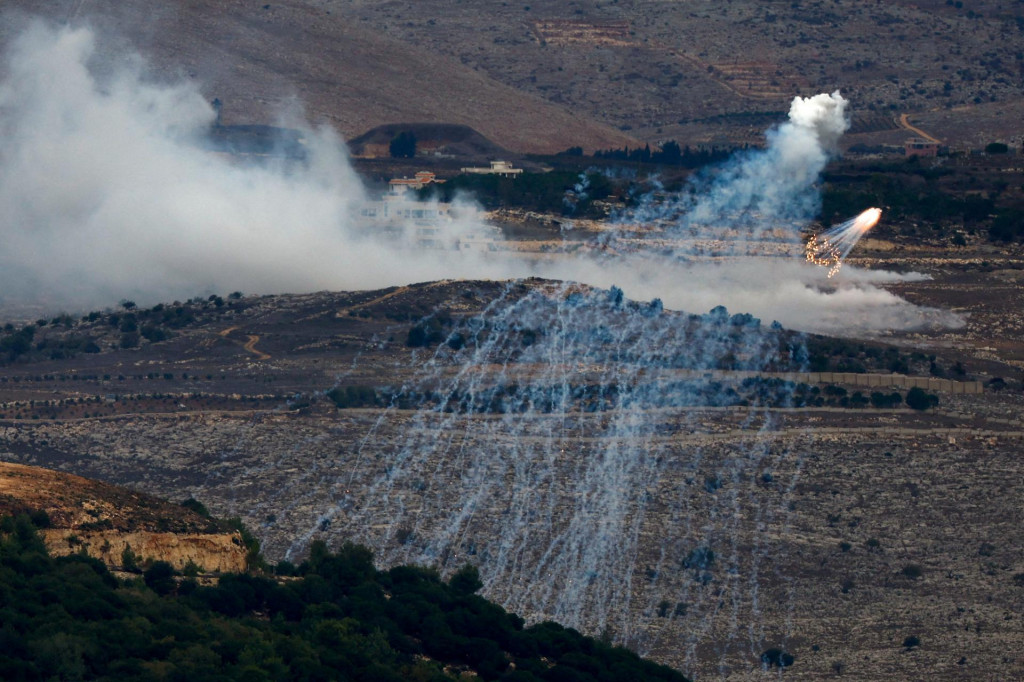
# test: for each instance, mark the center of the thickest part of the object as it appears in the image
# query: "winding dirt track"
(249, 345)
(905, 122)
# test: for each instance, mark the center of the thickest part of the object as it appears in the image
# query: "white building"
(503, 168)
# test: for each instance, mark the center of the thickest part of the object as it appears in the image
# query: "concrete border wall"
(879, 381)
(891, 381)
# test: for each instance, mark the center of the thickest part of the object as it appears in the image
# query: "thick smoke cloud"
(776, 186)
(106, 192)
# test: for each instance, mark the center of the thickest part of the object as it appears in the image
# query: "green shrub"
(912, 571)
(776, 658)
(918, 399)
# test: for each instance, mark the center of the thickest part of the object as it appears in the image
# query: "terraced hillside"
(544, 76)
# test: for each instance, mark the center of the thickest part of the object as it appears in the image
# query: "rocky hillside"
(543, 76)
(117, 525)
(261, 60)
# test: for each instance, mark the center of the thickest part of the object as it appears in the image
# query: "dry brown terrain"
(543, 76)
(838, 533)
(106, 520)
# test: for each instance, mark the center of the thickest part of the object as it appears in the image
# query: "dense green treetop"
(334, 617)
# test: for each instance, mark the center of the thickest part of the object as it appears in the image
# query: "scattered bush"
(776, 658)
(355, 396)
(912, 571)
(918, 399)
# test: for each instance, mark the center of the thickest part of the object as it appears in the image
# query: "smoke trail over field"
(106, 192)
(560, 440)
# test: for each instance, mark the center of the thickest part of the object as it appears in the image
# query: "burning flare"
(831, 247)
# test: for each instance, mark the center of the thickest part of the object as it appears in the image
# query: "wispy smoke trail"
(766, 188)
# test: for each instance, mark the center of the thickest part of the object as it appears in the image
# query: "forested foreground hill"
(335, 618)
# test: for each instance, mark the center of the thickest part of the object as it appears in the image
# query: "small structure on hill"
(917, 146)
(503, 168)
(418, 181)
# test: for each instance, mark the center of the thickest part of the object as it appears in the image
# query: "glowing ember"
(831, 247)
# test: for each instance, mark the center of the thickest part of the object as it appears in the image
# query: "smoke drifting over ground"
(107, 193)
(560, 437)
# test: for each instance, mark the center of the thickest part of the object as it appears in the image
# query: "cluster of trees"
(1008, 226)
(16, 342)
(336, 617)
(19, 343)
(403, 145)
(64, 337)
(941, 198)
(565, 192)
(781, 393)
(670, 154)
(826, 354)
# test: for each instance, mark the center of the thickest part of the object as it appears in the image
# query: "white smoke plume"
(106, 193)
(775, 186)
(763, 189)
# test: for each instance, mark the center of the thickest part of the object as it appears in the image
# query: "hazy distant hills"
(542, 76)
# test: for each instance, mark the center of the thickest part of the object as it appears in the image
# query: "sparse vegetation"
(912, 571)
(777, 658)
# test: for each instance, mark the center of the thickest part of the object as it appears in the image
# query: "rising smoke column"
(775, 187)
(764, 189)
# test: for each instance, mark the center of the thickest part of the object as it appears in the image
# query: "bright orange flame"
(868, 219)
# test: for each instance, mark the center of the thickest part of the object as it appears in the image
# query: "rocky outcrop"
(205, 552)
(123, 528)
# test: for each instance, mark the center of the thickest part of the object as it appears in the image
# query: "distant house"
(419, 181)
(917, 146)
(503, 168)
(434, 225)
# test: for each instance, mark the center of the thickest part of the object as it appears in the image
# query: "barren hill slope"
(262, 60)
(705, 70)
(106, 521)
(543, 76)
